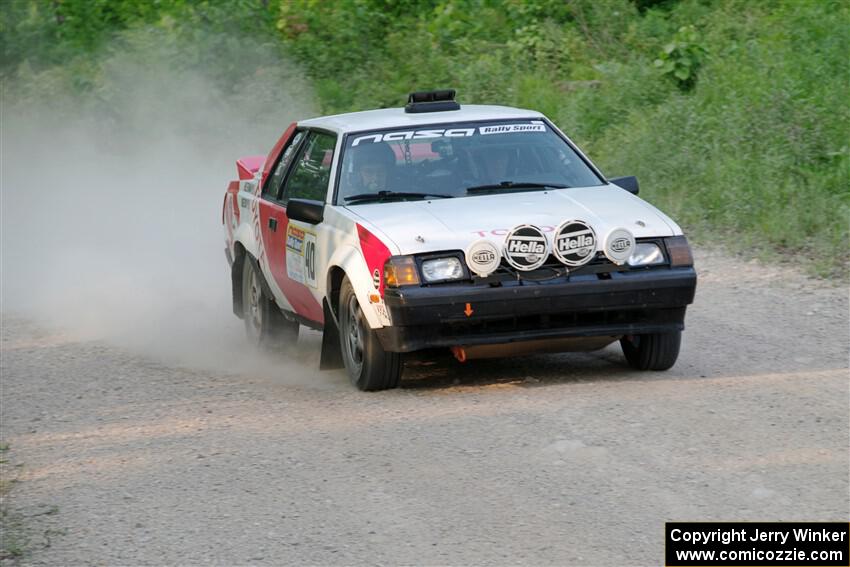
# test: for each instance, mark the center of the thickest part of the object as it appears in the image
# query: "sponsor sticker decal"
(526, 247)
(382, 312)
(413, 135)
(376, 278)
(511, 128)
(295, 266)
(294, 239)
(249, 186)
(535, 126)
(301, 256)
(619, 245)
(483, 257)
(258, 234)
(575, 243)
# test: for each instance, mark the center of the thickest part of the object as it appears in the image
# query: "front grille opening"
(552, 271)
(548, 322)
(553, 263)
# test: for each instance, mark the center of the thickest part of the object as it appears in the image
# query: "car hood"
(452, 224)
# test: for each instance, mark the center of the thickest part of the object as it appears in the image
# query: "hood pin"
(419, 239)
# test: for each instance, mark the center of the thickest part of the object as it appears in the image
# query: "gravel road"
(129, 458)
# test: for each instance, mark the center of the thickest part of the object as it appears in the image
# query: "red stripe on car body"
(376, 254)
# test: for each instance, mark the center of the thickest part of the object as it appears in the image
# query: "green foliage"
(48, 35)
(682, 57)
(751, 143)
(759, 150)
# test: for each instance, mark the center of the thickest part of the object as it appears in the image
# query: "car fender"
(674, 226)
(351, 261)
(245, 236)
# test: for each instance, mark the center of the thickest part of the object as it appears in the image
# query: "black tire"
(656, 351)
(369, 366)
(265, 325)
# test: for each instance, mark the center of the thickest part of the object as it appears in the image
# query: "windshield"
(456, 160)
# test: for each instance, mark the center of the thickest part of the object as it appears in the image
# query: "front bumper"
(620, 303)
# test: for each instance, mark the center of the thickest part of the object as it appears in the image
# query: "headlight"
(441, 269)
(646, 254)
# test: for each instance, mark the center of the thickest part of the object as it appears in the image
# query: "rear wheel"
(265, 325)
(655, 351)
(369, 366)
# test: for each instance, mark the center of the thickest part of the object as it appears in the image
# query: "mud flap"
(236, 283)
(331, 356)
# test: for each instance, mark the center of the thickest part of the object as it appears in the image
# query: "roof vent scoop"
(432, 101)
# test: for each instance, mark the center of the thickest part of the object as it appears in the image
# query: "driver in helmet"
(373, 166)
(495, 163)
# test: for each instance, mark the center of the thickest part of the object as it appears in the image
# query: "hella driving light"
(646, 254)
(441, 269)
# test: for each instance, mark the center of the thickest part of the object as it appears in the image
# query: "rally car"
(480, 229)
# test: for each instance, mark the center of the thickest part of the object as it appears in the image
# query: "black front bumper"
(620, 303)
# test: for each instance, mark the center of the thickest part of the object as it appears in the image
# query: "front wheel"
(655, 351)
(369, 366)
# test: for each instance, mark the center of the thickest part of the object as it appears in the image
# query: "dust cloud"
(111, 203)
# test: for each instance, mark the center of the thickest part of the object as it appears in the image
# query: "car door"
(271, 216)
(295, 267)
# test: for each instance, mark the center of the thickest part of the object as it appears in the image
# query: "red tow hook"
(459, 352)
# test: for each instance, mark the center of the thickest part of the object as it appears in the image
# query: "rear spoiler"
(249, 165)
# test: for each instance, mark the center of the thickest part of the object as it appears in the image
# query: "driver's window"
(312, 171)
(273, 187)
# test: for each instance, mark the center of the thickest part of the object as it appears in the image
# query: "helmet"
(372, 154)
(494, 162)
(371, 168)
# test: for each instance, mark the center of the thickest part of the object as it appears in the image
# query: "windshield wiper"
(390, 195)
(514, 185)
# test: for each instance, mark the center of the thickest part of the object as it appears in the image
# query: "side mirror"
(629, 183)
(305, 210)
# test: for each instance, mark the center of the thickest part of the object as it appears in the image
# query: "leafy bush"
(682, 57)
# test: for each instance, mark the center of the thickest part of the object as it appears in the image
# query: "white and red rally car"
(482, 229)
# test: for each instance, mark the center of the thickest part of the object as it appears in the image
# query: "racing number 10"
(310, 260)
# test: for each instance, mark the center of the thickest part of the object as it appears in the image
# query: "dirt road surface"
(126, 458)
